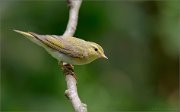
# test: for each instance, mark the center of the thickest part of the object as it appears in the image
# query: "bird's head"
(96, 51)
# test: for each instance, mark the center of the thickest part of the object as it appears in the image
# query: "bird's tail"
(26, 34)
(30, 36)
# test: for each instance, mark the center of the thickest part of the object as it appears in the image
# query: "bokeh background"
(140, 38)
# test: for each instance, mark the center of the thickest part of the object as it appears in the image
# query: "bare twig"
(73, 17)
(71, 92)
(68, 70)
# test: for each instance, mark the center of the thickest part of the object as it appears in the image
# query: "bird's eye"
(95, 49)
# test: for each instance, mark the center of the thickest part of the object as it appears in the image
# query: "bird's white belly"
(62, 57)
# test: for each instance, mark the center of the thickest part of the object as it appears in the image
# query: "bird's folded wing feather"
(61, 45)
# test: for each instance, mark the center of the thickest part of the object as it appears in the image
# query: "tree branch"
(71, 92)
(68, 69)
(73, 17)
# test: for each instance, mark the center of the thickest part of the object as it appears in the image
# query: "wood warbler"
(71, 50)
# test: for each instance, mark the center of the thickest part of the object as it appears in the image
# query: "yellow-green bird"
(71, 50)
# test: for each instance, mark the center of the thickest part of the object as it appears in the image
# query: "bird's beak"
(104, 56)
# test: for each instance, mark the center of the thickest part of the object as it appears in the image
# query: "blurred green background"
(140, 38)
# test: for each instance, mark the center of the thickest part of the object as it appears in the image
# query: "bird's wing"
(61, 44)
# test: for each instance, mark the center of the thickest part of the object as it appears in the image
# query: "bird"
(67, 49)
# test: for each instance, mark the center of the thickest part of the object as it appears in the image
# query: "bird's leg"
(68, 69)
